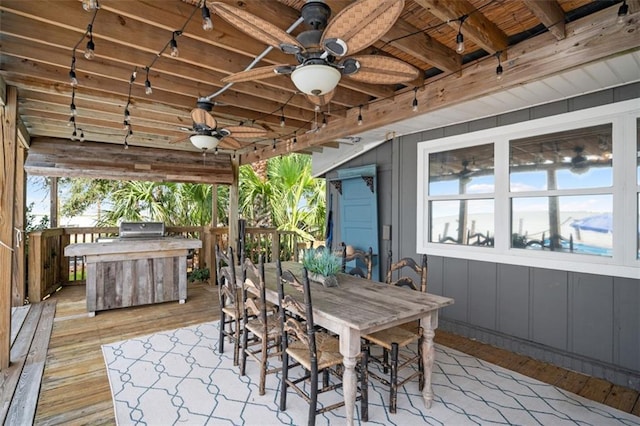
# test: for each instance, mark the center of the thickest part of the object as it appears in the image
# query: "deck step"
(20, 383)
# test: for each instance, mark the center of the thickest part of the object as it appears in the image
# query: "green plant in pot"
(322, 266)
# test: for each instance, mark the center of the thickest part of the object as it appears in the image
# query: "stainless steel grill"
(141, 230)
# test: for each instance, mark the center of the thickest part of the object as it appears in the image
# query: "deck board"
(75, 387)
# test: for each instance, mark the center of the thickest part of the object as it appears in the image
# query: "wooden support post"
(234, 202)
(18, 282)
(53, 202)
(8, 117)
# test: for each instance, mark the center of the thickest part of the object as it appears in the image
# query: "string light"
(414, 104)
(147, 84)
(623, 11)
(273, 147)
(81, 135)
(207, 24)
(72, 72)
(460, 37)
(360, 116)
(324, 121)
(89, 52)
(174, 44)
(72, 121)
(215, 151)
(499, 69)
(282, 120)
(295, 138)
(72, 107)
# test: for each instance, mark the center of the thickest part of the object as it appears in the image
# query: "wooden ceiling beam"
(61, 158)
(550, 14)
(476, 26)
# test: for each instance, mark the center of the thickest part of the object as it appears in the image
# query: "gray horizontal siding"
(588, 323)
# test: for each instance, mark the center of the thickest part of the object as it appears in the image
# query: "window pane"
(462, 171)
(475, 217)
(576, 224)
(579, 158)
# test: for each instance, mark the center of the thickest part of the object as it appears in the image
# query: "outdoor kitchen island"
(124, 272)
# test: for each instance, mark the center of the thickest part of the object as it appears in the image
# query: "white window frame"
(623, 263)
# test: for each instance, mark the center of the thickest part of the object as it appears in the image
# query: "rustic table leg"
(350, 349)
(429, 323)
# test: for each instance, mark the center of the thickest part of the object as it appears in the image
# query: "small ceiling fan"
(322, 51)
(207, 135)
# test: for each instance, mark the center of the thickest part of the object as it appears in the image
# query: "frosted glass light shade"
(204, 142)
(315, 80)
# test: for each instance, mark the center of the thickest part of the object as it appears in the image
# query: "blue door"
(359, 211)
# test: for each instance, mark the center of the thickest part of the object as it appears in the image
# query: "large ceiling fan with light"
(321, 52)
(207, 135)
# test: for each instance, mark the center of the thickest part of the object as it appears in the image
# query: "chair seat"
(273, 327)
(327, 348)
(231, 312)
(399, 334)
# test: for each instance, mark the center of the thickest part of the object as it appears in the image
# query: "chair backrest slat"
(405, 265)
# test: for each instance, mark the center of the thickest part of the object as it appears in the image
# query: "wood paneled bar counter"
(132, 272)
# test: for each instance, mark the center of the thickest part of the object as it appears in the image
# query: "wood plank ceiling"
(533, 38)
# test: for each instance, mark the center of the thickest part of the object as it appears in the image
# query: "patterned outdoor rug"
(178, 377)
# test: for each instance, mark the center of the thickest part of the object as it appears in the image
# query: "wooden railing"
(48, 269)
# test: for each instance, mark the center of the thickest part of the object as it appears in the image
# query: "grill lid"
(141, 230)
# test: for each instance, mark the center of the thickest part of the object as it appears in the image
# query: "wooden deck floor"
(75, 387)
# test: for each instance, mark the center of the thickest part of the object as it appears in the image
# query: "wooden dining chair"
(261, 334)
(393, 339)
(360, 256)
(316, 352)
(229, 298)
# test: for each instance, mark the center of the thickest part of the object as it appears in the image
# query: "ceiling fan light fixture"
(315, 79)
(204, 142)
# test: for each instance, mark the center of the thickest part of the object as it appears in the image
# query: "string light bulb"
(127, 114)
(499, 69)
(174, 45)
(273, 147)
(460, 37)
(147, 84)
(73, 109)
(72, 78)
(207, 24)
(89, 4)
(89, 51)
(324, 121)
(360, 116)
(215, 151)
(71, 122)
(282, 119)
(81, 135)
(295, 138)
(414, 104)
(623, 11)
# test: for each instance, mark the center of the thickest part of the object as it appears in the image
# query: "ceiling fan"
(321, 52)
(207, 135)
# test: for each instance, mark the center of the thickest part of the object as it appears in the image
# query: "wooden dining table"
(359, 306)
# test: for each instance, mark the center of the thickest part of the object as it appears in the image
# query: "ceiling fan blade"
(230, 143)
(360, 25)
(257, 28)
(253, 74)
(246, 132)
(321, 100)
(202, 117)
(375, 69)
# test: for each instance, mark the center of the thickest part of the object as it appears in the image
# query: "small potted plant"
(322, 266)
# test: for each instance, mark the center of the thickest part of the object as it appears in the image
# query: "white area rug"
(178, 377)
